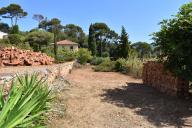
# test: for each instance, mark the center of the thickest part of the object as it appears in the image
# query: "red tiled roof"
(66, 42)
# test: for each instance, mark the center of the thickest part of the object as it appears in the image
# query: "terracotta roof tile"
(66, 42)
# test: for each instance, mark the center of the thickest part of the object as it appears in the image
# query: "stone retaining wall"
(48, 72)
(154, 75)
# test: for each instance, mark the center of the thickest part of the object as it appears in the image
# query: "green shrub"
(105, 54)
(26, 103)
(120, 65)
(49, 51)
(15, 39)
(106, 66)
(24, 46)
(83, 56)
(6, 43)
(66, 55)
(15, 29)
(132, 66)
(97, 60)
(135, 67)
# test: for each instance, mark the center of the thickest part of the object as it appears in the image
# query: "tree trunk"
(12, 22)
(55, 45)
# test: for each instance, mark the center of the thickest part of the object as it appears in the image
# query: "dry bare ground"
(113, 100)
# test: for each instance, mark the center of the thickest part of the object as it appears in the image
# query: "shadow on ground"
(157, 108)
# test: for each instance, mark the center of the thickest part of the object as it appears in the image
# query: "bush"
(83, 56)
(6, 43)
(132, 66)
(66, 55)
(173, 42)
(49, 51)
(97, 60)
(26, 103)
(120, 65)
(106, 66)
(15, 39)
(135, 67)
(24, 46)
(105, 54)
(15, 29)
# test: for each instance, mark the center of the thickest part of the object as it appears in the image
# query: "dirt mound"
(17, 57)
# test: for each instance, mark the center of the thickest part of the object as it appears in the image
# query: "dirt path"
(113, 100)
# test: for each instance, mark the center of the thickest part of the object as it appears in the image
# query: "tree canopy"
(4, 27)
(124, 46)
(39, 38)
(100, 38)
(13, 12)
(175, 42)
(143, 49)
(75, 33)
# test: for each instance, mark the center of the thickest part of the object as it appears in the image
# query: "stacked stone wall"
(155, 75)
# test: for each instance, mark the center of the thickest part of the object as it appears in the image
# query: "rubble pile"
(18, 57)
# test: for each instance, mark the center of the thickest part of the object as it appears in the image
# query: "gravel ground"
(113, 100)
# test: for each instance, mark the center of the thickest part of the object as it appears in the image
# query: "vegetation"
(174, 42)
(101, 37)
(106, 66)
(132, 66)
(4, 27)
(66, 55)
(124, 46)
(101, 40)
(13, 12)
(83, 56)
(75, 33)
(143, 49)
(37, 39)
(16, 41)
(26, 103)
(97, 60)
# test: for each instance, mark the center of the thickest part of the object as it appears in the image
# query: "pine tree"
(91, 41)
(124, 44)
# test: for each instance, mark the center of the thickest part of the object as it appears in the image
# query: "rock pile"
(154, 75)
(17, 57)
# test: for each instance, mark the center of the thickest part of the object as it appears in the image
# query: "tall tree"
(75, 33)
(44, 24)
(91, 40)
(38, 17)
(39, 38)
(101, 31)
(124, 44)
(54, 26)
(4, 27)
(13, 12)
(103, 36)
(143, 49)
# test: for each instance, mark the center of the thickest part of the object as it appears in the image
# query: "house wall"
(68, 47)
(2, 35)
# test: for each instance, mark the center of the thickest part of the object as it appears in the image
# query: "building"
(67, 44)
(3, 35)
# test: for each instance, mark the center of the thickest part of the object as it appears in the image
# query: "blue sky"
(140, 17)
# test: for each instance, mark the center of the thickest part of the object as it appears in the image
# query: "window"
(71, 47)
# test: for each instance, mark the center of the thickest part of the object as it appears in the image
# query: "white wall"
(68, 47)
(2, 35)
